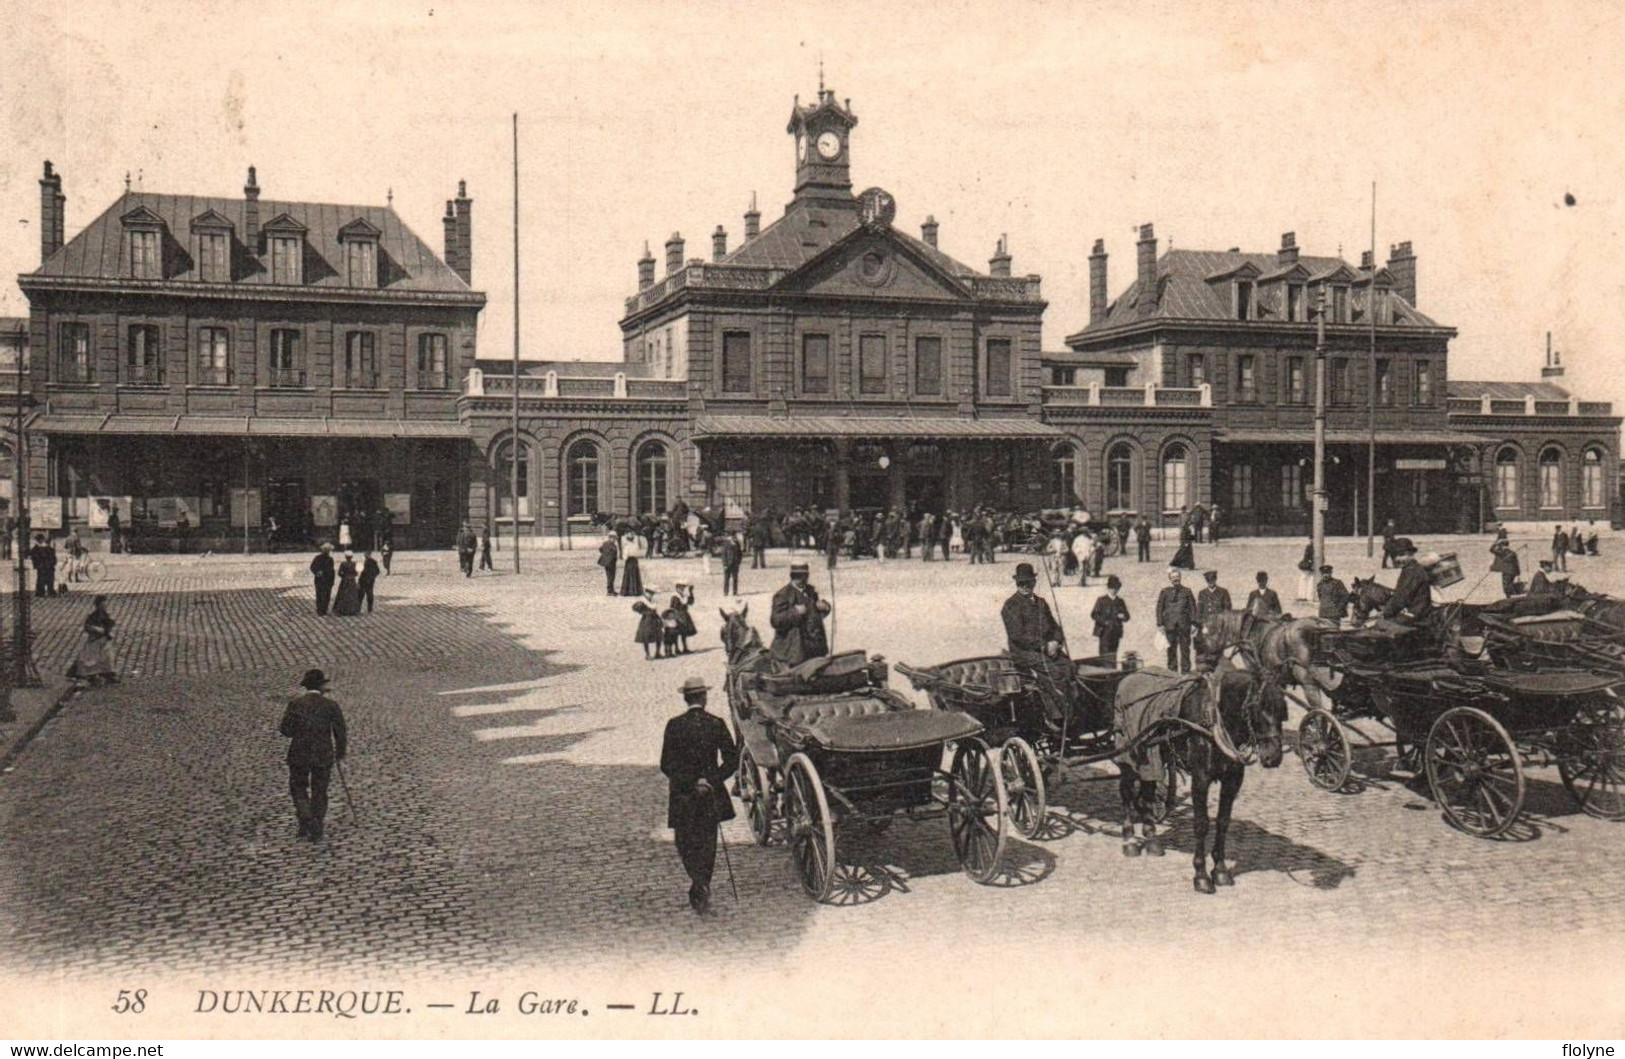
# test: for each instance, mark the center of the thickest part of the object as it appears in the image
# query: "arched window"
(1551, 478)
(1120, 477)
(1506, 479)
(503, 473)
(1063, 485)
(581, 492)
(652, 478)
(1592, 478)
(1175, 478)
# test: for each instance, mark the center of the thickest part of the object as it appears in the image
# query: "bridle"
(1246, 751)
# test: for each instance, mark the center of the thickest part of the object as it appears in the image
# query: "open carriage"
(827, 746)
(1478, 725)
(1035, 753)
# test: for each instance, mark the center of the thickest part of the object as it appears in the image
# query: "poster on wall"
(239, 504)
(103, 506)
(45, 512)
(400, 507)
(188, 510)
(325, 510)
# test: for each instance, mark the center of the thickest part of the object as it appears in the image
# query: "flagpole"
(1371, 451)
(513, 452)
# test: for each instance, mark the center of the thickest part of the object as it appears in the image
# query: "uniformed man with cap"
(1214, 599)
(315, 725)
(1332, 595)
(697, 756)
(1413, 595)
(1036, 643)
(798, 620)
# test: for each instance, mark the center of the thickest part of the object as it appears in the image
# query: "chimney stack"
(251, 211)
(928, 231)
(52, 206)
(999, 263)
(1288, 254)
(465, 233)
(646, 269)
(1402, 264)
(1097, 282)
(674, 254)
(449, 223)
(1147, 247)
(753, 220)
(1367, 261)
(1554, 361)
(719, 243)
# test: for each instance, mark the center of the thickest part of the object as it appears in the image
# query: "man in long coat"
(798, 620)
(1505, 562)
(732, 556)
(321, 569)
(1176, 617)
(1413, 595)
(318, 740)
(1214, 599)
(697, 756)
(1332, 595)
(1036, 643)
(609, 555)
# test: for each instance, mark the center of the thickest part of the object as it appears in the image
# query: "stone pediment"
(873, 264)
(141, 217)
(211, 219)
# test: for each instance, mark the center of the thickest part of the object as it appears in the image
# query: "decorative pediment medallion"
(211, 219)
(284, 224)
(867, 263)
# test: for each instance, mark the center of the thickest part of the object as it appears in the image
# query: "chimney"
(251, 211)
(674, 254)
(1554, 361)
(1288, 254)
(51, 205)
(999, 263)
(719, 243)
(753, 220)
(1097, 282)
(1402, 263)
(465, 233)
(1147, 247)
(928, 231)
(449, 223)
(646, 269)
(1367, 261)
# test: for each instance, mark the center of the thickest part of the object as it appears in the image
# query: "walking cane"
(728, 862)
(345, 783)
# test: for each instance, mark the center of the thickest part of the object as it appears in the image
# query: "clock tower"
(823, 136)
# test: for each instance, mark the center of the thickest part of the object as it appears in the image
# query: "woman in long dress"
(348, 603)
(682, 599)
(94, 662)
(651, 629)
(631, 578)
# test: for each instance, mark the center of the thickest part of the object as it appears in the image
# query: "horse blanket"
(1145, 698)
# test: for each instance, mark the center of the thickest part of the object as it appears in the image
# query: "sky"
(1225, 124)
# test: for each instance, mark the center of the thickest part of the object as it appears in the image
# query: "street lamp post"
(23, 672)
(1318, 515)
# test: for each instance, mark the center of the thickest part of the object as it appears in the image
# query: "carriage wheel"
(812, 831)
(1474, 771)
(1324, 749)
(1595, 774)
(976, 810)
(1023, 785)
(754, 792)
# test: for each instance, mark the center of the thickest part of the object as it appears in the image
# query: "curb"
(9, 759)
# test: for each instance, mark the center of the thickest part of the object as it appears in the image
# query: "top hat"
(693, 684)
(1024, 572)
(314, 680)
(1403, 546)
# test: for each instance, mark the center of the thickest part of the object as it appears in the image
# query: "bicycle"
(84, 567)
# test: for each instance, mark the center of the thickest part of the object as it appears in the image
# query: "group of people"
(355, 583)
(664, 633)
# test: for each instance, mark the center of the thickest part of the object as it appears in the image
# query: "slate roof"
(1185, 292)
(405, 262)
(758, 426)
(808, 229)
(1506, 391)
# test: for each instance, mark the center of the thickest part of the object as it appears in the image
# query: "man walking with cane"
(697, 756)
(315, 725)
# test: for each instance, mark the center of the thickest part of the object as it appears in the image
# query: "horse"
(1367, 596)
(1283, 647)
(1224, 720)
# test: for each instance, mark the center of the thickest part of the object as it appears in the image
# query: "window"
(733, 493)
(144, 259)
(815, 364)
(1175, 478)
(1295, 389)
(286, 254)
(1591, 478)
(1063, 476)
(1246, 379)
(928, 366)
(1244, 300)
(503, 471)
(1385, 306)
(1419, 490)
(1063, 376)
(871, 363)
(581, 493)
(1120, 477)
(360, 360)
(1337, 379)
(1551, 478)
(736, 362)
(212, 496)
(1294, 302)
(287, 367)
(1291, 486)
(998, 367)
(73, 353)
(1424, 383)
(1241, 487)
(1116, 376)
(1506, 479)
(432, 359)
(1385, 381)
(1196, 368)
(214, 256)
(361, 259)
(213, 356)
(1340, 305)
(652, 478)
(143, 359)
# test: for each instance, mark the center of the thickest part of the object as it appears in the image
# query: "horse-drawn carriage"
(828, 745)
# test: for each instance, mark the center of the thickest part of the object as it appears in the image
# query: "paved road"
(509, 812)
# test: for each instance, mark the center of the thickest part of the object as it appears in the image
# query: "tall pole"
(1371, 449)
(513, 452)
(1318, 512)
(245, 495)
(23, 673)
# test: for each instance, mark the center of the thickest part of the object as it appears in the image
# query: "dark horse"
(1367, 596)
(1284, 648)
(1215, 724)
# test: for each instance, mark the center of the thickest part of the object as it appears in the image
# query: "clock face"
(829, 145)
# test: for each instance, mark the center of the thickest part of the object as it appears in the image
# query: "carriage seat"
(808, 712)
(996, 673)
(828, 674)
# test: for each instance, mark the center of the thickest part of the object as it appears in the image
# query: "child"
(681, 600)
(651, 633)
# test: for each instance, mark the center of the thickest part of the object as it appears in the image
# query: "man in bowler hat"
(321, 568)
(314, 724)
(697, 756)
(1037, 645)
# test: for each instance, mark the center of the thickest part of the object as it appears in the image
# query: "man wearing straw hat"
(697, 756)
(1036, 643)
(315, 725)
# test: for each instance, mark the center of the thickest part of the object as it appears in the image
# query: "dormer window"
(1294, 303)
(360, 242)
(143, 244)
(211, 237)
(1340, 305)
(285, 238)
(1244, 300)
